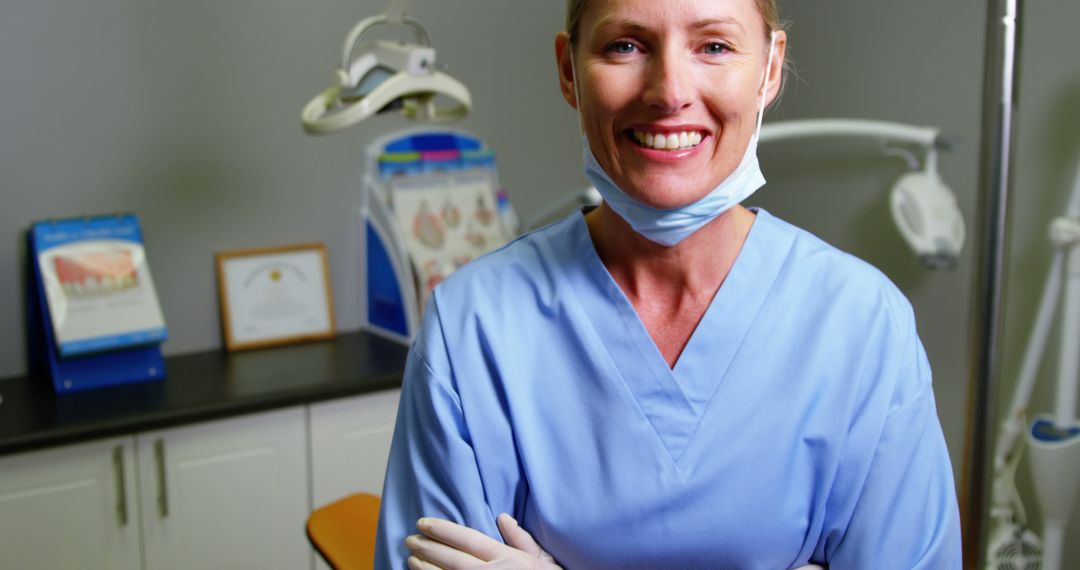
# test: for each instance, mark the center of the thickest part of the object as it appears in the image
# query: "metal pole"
(994, 177)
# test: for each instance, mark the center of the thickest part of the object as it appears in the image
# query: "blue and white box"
(97, 285)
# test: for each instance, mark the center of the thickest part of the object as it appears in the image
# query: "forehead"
(672, 14)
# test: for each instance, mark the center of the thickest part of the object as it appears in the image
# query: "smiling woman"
(670, 380)
(673, 72)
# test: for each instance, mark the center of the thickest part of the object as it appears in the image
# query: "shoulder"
(839, 279)
(498, 301)
(862, 310)
(525, 268)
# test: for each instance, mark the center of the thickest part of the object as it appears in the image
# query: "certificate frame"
(273, 296)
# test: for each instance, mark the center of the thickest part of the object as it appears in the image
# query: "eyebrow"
(638, 26)
(613, 21)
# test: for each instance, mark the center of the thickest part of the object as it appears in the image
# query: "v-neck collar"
(675, 399)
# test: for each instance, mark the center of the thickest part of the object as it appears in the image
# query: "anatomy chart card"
(448, 220)
(97, 284)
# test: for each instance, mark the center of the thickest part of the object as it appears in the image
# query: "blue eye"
(621, 48)
(716, 48)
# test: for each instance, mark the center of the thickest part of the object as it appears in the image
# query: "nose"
(669, 82)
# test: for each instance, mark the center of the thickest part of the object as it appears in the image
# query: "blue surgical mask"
(671, 226)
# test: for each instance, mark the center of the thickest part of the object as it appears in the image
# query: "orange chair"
(343, 532)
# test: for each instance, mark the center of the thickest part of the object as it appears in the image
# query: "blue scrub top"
(798, 424)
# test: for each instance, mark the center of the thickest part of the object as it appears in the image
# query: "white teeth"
(673, 141)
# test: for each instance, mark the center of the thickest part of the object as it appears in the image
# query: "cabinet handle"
(163, 492)
(121, 486)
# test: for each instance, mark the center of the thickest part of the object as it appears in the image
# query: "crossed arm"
(443, 545)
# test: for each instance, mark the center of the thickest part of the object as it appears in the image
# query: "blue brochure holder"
(84, 372)
(389, 300)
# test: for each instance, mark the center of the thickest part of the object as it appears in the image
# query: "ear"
(565, 63)
(776, 68)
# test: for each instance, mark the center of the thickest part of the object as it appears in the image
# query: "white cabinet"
(350, 444)
(226, 494)
(233, 493)
(70, 507)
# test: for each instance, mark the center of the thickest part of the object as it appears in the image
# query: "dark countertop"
(199, 387)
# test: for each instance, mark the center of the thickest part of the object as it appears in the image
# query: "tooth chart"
(96, 272)
(100, 295)
(448, 220)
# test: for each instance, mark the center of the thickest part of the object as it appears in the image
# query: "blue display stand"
(390, 300)
(87, 371)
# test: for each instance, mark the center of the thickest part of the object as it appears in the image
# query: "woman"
(671, 380)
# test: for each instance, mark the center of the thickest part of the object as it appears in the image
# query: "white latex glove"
(444, 545)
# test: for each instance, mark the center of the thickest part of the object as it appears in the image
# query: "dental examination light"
(922, 205)
(1054, 441)
(430, 200)
(379, 76)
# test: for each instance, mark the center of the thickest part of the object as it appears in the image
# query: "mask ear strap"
(765, 82)
(577, 89)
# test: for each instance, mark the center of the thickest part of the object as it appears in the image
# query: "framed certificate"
(274, 296)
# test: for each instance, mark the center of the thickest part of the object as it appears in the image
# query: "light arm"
(897, 132)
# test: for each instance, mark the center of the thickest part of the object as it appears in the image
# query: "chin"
(667, 194)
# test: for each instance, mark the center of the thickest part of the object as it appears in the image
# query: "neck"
(647, 270)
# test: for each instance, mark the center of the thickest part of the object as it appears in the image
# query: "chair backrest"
(343, 532)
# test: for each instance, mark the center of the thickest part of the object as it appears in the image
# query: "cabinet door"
(350, 443)
(226, 494)
(70, 507)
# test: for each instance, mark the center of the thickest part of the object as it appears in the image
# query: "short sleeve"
(904, 514)
(432, 470)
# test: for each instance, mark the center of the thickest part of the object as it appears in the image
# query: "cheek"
(734, 111)
(730, 96)
(612, 91)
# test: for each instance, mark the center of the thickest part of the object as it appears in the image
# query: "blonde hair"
(767, 8)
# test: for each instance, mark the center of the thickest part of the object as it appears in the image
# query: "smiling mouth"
(669, 141)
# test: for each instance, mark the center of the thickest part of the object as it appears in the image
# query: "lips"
(673, 140)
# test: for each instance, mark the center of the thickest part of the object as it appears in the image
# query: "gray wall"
(887, 61)
(187, 113)
(1047, 156)
(921, 62)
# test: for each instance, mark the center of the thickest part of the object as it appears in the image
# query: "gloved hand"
(449, 546)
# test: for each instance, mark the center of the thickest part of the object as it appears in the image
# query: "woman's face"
(690, 71)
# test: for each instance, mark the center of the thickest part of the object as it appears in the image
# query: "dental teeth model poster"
(448, 220)
(97, 284)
